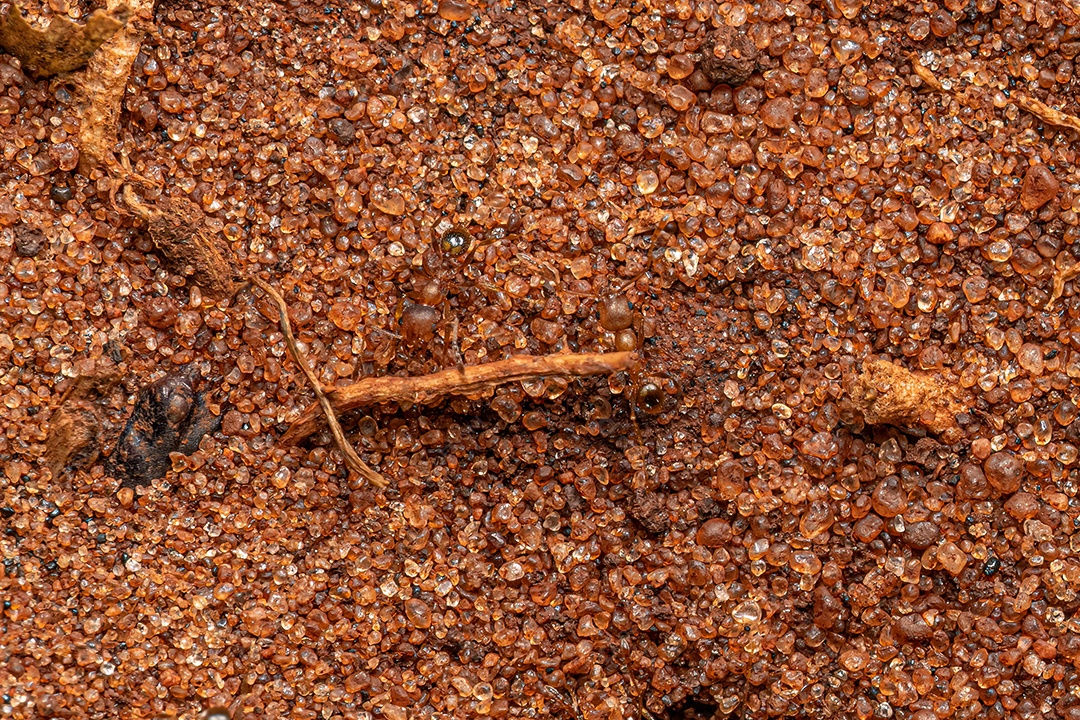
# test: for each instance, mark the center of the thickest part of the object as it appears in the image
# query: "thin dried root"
(1046, 113)
(352, 460)
(467, 380)
(63, 46)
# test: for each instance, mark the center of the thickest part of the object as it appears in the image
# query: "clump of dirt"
(728, 56)
(889, 394)
(170, 416)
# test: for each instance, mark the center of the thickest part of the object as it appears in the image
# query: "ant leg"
(450, 338)
(632, 399)
(456, 346)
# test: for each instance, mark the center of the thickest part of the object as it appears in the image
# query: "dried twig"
(1046, 113)
(465, 381)
(63, 46)
(352, 460)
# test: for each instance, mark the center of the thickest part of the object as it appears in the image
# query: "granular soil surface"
(840, 481)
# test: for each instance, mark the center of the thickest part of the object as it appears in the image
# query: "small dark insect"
(650, 398)
(616, 312)
(991, 566)
(456, 242)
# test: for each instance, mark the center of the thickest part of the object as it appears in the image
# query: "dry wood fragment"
(74, 437)
(926, 74)
(178, 228)
(468, 380)
(99, 89)
(352, 460)
(889, 394)
(64, 46)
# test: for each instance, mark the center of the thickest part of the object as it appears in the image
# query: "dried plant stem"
(178, 228)
(1036, 107)
(1046, 113)
(99, 90)
(465, 381)
(352, 460)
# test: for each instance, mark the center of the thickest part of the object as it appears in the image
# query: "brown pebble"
(888, 498)
(714, 533)
(728, 56)
(777, 113)
(854, 660)
(730, 479)
(1040, 187)
(868, 528)
(342, 129)
(628, 145)
(454, 10)
(1004, 471)
(357, 681)
(972, 484)
(28, 241)
(161, 312)
(816, 519)
(418, 612)
(912, 627)
(126, 496)
(951, 557)
(1022, 506)
(921, 535)
(939, 233)
(827, 608)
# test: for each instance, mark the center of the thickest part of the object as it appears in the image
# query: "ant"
(442, 269)
(652, 394)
